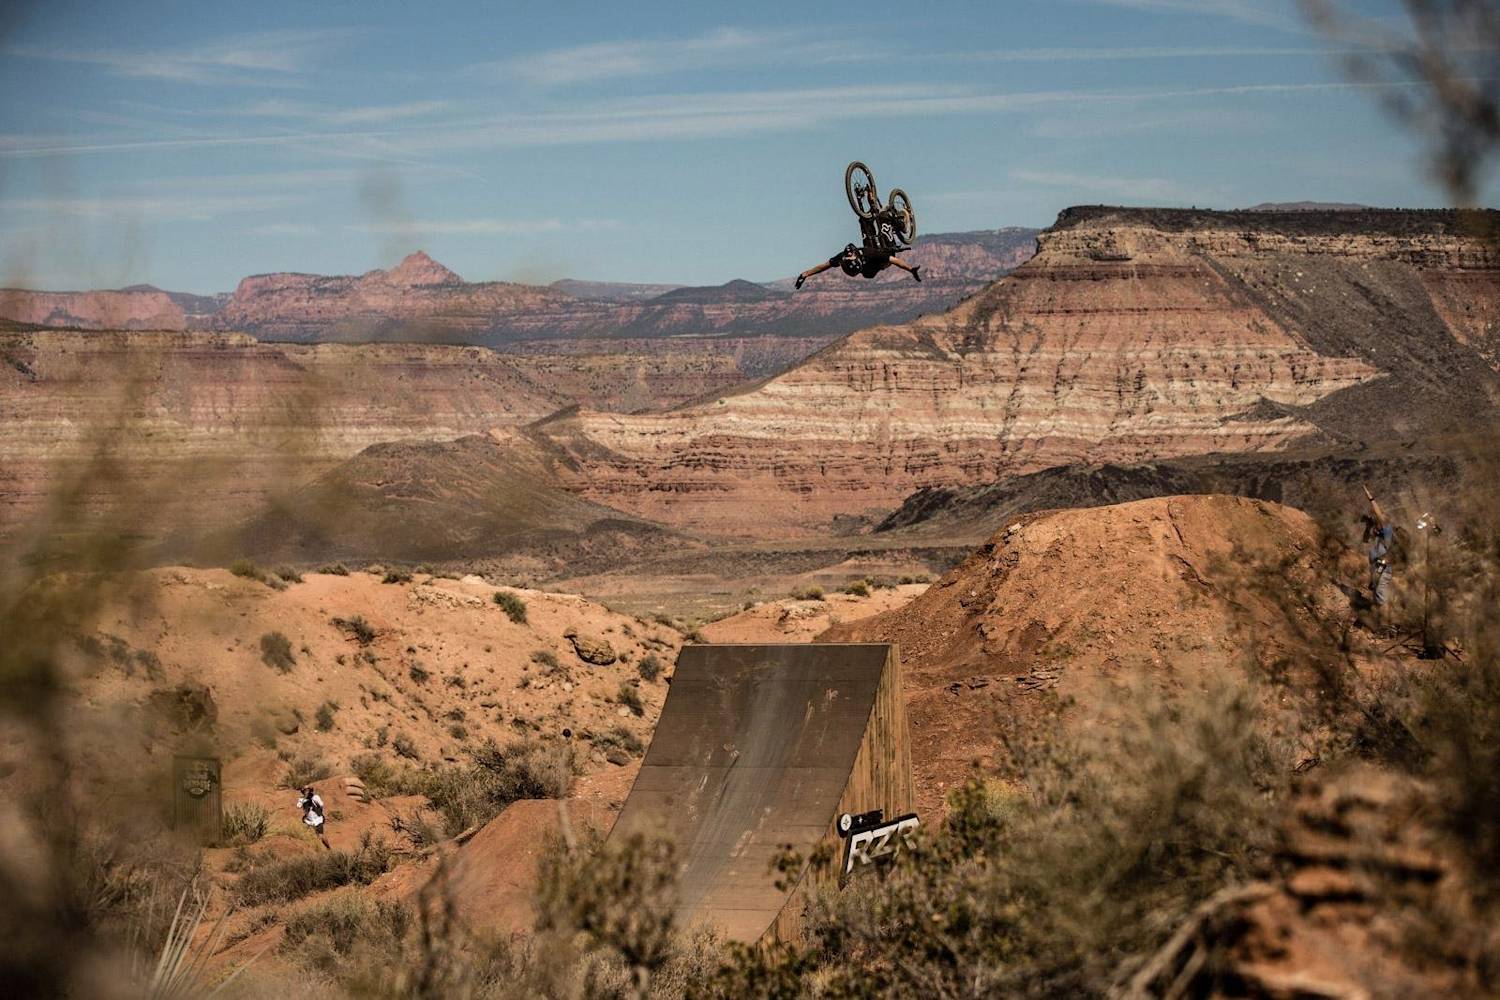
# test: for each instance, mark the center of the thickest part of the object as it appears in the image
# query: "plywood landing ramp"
(761, 746)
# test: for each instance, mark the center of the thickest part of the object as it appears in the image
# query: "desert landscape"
(1099, 607)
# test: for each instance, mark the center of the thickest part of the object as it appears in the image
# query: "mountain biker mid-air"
(885, 230)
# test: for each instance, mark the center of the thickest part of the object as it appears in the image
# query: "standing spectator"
(311, 805)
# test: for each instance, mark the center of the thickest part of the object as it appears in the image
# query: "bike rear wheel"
(859, 185)
(901, 205)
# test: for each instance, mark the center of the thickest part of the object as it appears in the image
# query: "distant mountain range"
(421, 300)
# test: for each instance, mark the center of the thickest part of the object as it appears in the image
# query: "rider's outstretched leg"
(915, 270)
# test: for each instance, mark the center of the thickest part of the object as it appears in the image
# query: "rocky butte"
(1131, 335)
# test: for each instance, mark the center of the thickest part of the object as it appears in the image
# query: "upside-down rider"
(882, 230)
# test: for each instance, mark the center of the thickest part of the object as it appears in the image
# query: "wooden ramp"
(761, 746)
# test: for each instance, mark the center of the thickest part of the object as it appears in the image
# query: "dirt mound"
(491, 880)
(1067, 601)
(473, 498)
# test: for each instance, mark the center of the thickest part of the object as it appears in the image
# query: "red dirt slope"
(1069, 601)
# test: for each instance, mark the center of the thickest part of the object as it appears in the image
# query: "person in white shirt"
(312, 813)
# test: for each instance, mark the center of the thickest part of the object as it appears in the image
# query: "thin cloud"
(1257, 13)
(164, 208)
(1142, 53)
(718, 48)
(469, 227)
(284, 229)
(268, 57)
(377, 114)
(1153, 189)
(667, 117)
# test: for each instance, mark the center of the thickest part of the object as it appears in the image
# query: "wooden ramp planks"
(761, 746)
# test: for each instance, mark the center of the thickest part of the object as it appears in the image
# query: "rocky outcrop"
(128, 309)
(416, 300)
(1132, 335)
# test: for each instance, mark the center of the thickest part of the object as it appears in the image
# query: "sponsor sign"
(870, 838)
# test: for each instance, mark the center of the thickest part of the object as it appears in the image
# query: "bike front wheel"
(859, 185)
(901, 205)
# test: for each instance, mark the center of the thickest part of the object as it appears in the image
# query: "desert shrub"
(1122, 831)
(418, 828)
(404, 747)
(512, 605)
(418, 673)
(649, 668)
(620, 897)
(149, 662)
(546, 660)
(859, 588)
(396, 576)
(630, 696)
(322, 934)
(287, 573)
(303, 771)
(458, 731)
(293, 878)
(276, 651)
(246, 568)
(334, 569)
(245, 824)
(618, 744)
(808, 594)
(472, 794)
(324, 715)
(357, 627)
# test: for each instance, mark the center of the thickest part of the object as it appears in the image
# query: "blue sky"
(190, 144)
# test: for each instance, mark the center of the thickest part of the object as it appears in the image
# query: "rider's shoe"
(801, 278)
(916, 272)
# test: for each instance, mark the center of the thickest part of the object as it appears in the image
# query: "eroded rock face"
(1126, 339)
(420, 299)
(102, 310)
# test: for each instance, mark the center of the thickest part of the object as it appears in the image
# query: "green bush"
(396, 576)
(546, 660)
(293, 878)
(649, 668)
(859, 588)
(288, 574)
(324, 715)
(246, 568)
(245, 824)
(404, 747)
(276, 651)
(512, 605)
(334, 569)
(808, 594)
(418, 673)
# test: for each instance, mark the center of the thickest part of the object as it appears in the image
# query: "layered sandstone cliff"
(1132, 335)
(127, 309)
(420, 299)
(216, 422)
